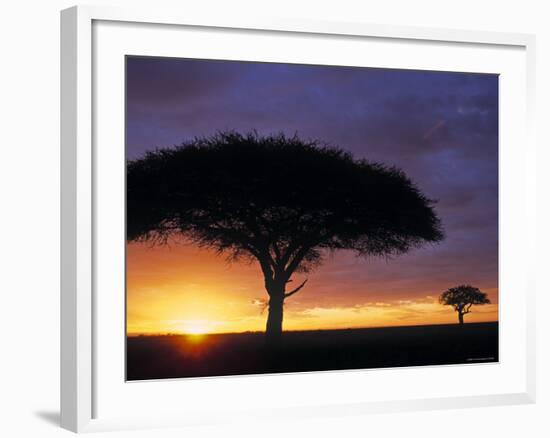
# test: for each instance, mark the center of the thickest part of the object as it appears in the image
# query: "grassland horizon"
(329, 329)
(175, 356)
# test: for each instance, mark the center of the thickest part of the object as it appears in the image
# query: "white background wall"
(29, 216)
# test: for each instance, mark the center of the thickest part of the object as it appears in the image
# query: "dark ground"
(171, 356)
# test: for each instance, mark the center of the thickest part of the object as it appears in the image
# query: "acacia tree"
(280, 201)
(462, 298)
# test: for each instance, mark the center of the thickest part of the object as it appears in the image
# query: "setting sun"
(196, 327)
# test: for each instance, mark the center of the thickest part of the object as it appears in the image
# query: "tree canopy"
(278, 198)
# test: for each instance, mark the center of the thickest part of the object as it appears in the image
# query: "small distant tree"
(462, 298)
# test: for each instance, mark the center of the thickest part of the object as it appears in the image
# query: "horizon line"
(137, 334)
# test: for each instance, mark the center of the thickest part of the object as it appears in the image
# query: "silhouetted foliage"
(462, 298)
(279, 200)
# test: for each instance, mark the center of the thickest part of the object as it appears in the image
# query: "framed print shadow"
(357, 205)
(256, 208)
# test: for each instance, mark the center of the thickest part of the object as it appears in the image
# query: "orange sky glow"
(184, 289)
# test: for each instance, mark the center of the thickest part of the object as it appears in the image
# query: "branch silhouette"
(292, 292)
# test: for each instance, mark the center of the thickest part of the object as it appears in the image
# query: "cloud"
(433, 129)
(372, 314)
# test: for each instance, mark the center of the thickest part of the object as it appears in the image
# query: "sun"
(196, 327)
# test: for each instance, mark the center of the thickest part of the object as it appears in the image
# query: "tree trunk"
(274, 327)
(460, 318)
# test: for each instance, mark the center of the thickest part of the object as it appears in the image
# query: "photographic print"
(296, 218)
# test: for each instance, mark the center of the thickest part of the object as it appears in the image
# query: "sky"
(441, 128)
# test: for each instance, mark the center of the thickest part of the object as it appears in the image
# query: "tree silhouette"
(281, 201)
(462, 298)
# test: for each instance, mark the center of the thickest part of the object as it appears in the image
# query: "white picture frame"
(81, 373)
